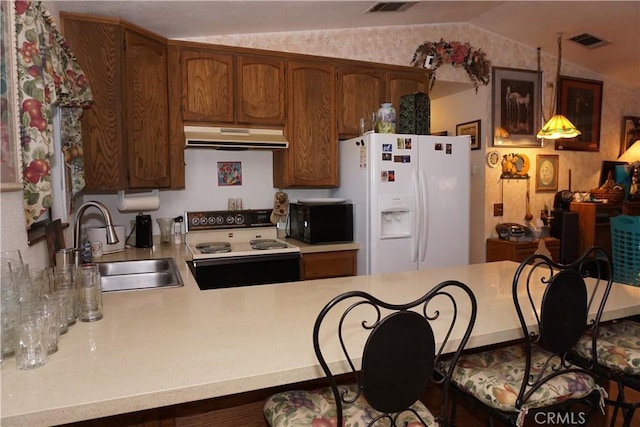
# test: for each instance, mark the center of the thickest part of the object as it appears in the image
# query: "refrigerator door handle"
(424, 224)
(415, 250)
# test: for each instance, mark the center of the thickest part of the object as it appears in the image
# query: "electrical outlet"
(498, 209)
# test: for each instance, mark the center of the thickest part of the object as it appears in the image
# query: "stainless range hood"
(229, 138)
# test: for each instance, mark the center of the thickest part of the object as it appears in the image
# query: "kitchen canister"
(386, 119)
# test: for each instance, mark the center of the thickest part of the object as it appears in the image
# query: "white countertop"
(160, 347)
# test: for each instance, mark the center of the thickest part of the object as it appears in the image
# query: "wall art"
(229, 173)
(473, 130)
(580, 101)
(547, 172)
(10, 168)
(515, 101)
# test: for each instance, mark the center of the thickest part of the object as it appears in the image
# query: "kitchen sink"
(139, 274)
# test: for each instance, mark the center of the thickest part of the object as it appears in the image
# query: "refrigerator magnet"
(384, 177)
(392, 176)
(387, 148)
(448, 149)
(438, 146)
(386, 157)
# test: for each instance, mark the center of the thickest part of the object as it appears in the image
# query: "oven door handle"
(244, 259)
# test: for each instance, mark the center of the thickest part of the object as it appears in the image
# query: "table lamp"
(632, 156)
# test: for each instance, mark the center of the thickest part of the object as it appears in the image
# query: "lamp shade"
(632, 154)
(558, 127)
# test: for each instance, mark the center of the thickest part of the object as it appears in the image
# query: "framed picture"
(630, 133)
(547, 172)
(516, 100)
(580, 101)
(229, 173)
(10, 169)
(473, 130)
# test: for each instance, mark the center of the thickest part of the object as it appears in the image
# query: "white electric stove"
(238, 248)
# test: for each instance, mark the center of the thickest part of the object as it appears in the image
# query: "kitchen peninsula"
(157, 348)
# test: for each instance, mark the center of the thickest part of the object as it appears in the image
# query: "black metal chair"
(400, 349)
(614, 354)
(534, 377)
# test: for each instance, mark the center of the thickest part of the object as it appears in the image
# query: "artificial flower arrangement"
(458, 54)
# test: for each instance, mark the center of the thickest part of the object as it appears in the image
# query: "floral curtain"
(48, 75)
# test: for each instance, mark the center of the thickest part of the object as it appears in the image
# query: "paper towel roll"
(138, 203)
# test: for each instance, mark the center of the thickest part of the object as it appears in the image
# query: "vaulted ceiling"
(533, 23)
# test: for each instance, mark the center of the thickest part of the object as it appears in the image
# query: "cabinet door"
(207, 86)
(312, 157)
(403, 83)
(260, 86)
(146, 107)
(102, 139)
(360, 92)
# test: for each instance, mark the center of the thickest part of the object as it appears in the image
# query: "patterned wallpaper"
(396, 45)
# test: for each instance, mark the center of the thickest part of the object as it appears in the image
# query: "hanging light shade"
(558, 127)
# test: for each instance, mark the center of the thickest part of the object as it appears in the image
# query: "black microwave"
(321, 223)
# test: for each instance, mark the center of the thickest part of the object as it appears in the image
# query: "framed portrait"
(580, 101)
(547, 172)
(516, 100)
(10, 162)
(473, 130)
(630, 133)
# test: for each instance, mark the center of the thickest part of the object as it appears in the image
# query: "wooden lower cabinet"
(322, 265)
(505, 250)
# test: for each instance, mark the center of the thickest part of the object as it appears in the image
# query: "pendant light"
(558, 126)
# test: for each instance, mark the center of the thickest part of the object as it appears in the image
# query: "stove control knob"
(211, 220)
(219, 219)
(230, 219)
(195, 220)
(203, 221)
(239, 219)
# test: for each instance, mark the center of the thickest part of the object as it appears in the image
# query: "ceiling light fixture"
(558, 126)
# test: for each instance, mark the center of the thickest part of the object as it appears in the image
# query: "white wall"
(202, 191)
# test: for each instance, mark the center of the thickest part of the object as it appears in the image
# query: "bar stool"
(614, 354)
(400, 356)
(533, 378)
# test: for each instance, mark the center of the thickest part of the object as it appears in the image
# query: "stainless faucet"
(111, 231)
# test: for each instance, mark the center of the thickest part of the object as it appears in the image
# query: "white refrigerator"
(410, 196)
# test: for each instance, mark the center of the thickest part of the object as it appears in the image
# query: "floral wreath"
(458, 54)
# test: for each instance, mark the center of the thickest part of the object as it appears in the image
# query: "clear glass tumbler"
(90, 293)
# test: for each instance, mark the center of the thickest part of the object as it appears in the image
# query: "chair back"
(400, 346)
(556, 305)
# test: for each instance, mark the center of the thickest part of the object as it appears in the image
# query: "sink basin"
(139, 274)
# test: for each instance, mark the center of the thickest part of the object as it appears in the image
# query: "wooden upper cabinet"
(125, 131)
(312, 157)
(401, 83)
(207, 86)
(360, 92)
(260, 89)
(221, 87)
(146, 109)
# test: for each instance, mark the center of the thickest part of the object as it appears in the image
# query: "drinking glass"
(166, 227)
(31, 342)
(90, 293)
(64, 279)
(9, 309)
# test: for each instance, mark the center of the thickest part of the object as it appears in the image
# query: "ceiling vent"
(393, 6)
(589, 40)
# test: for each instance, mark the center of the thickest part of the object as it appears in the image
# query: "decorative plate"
(493, 158)
(522, 164)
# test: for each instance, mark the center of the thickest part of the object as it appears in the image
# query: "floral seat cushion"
(494, 377)
(617, 346)
(317, 408)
